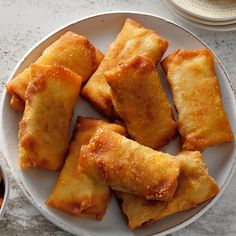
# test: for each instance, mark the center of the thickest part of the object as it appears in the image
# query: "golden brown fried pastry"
(17, 103)
(75, 192)
(129, 166)
(194, 187)
(140, 101)
(70, 50)
(202, 119)
(44, 128)
(133, 40)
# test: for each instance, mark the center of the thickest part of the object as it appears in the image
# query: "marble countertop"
(25, 22)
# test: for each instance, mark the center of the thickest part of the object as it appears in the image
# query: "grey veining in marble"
(23, 23)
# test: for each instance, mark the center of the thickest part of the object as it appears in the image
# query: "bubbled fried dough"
(75, 192)
(194, 187)
(193, 80)
(44, 128)
(71, 50)
(139, 99)
(133, 40)
(129, 166)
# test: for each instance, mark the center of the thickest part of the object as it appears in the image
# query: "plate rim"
(213, 28)
(203, 16)
(51, 218)
(200, 20)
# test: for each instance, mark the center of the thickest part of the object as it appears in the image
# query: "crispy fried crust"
(194, 187)
(139, 100)
(128, 166)
(17, 103)
(74, 192)
(72, 51)
(202, 119)
(99, 57)
(43, 133)
(133, 40)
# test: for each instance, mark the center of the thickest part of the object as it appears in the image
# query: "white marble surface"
(25, 22)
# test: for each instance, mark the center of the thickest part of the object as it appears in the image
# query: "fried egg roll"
(129, 166)
(44, 128)
(194, 187)
(133, 40)
(75, 192)
(193, 80)
(71, 50)
(139, 99)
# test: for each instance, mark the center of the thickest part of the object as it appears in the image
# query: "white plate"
(197, 19)
(209, 10)
(199, 22)
(37, 184)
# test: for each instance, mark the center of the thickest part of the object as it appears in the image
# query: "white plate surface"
(222, 26)
(208, 9)
(199, 20)
(37, 184)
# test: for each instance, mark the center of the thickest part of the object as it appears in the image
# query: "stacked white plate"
(216, 15)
